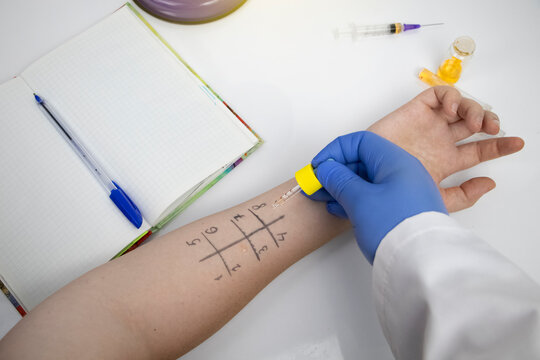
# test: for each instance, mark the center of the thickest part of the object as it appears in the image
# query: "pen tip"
(38, 99)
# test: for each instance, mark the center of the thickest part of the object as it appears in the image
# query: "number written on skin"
(257, 207)
(238, 217)
(236, 267)
(193, 242)
(211, 230)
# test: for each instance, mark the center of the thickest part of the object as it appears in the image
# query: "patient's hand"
(428, 127)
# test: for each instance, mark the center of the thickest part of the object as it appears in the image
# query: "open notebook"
(147, 118)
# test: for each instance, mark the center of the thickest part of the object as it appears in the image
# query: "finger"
(460, 130)
(445, 96)
(474, 153)
(361, 150)
(335, 209)
(491, 124)
(467, 194)
(472, 113)
(323, 195)
(320, 195)
(343, 149)
(339, 181)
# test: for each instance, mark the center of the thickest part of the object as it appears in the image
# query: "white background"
(277, 64)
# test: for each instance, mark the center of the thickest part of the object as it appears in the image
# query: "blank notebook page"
(139, 110)
(57, 221)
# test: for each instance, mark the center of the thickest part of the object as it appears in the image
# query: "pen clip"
(126, 205)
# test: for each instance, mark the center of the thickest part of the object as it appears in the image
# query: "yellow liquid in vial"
(450, 70)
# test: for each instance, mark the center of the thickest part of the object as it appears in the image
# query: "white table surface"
(276, 62)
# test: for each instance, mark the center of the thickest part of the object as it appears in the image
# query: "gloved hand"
(376, 184)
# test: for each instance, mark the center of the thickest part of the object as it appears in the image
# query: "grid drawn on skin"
(141, 112)
(50, 204)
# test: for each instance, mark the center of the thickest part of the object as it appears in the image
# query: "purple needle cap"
(410, 26)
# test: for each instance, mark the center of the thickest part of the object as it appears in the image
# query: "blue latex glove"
(376, 184)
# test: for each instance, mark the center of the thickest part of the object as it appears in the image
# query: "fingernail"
(454, 107)
(496, 118)
(479, 120)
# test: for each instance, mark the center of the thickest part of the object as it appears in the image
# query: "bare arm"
(166, 297)
(170, 295)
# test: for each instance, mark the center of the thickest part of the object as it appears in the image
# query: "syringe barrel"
(374, 30)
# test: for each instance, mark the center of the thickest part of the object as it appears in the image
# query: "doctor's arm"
(440, 292)
(443, 293)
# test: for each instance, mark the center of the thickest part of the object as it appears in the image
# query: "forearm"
(171, 294)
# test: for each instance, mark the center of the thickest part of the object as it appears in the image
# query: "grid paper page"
(57, 221)
(139, 111)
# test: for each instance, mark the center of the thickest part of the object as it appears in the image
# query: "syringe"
(355, 31)
(306, 180)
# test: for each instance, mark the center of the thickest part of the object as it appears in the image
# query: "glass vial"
(461, 50)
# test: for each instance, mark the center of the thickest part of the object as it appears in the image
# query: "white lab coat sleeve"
(442, 293)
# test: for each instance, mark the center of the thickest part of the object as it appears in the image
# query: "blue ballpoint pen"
(116, 194)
